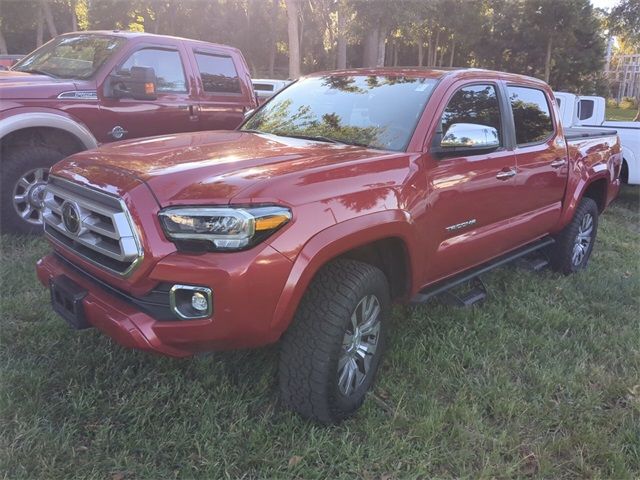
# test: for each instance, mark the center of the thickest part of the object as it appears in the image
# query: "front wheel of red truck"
(574, 243)
(332, 350)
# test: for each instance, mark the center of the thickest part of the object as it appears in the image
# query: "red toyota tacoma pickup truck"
(84, 89)
(343, 193)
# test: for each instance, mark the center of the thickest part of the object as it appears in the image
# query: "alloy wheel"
(28, 195)
(583, 240)
(359, 345)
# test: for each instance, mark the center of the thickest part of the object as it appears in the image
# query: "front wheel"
(332, 351)
(574, 243)
(25, 171)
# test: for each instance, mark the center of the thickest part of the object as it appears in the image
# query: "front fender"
(18, 119)
(331, 243)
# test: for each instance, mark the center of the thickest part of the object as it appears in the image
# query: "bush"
(628, 103)
(611, 103)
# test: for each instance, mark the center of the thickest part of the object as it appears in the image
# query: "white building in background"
(624, 76)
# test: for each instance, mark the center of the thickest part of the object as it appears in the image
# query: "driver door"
(173, 111)
(470, 207)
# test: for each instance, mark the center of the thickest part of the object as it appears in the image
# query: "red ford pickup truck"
(343, 193)
(84, 89)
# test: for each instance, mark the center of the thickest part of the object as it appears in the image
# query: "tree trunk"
(39, 28)
(441, 59)
(341, 44)
(420, 53)
(433, 61)
(74, 17)
(48, 15)
(453, 51)
(3, 42)
(547, 62)
(273, 37)
(294, 40)
(382, 47)
(371, 44)
(395, 54)
(430, 50)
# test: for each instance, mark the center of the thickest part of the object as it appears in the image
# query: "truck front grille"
(93, 224)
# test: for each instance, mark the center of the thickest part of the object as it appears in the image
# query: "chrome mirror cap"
(470, 135)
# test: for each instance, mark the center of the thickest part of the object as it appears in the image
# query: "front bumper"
(246, 288)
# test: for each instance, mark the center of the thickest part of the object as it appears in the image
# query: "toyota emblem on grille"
(71, 217)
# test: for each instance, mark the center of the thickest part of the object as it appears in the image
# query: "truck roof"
(436, 72)
(151, 36)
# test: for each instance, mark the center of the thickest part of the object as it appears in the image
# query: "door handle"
(560, 162)
(506, 174)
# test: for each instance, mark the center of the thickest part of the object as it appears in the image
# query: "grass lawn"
(615, 113)
(542, 380)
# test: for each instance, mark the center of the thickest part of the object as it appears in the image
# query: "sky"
(607, 4)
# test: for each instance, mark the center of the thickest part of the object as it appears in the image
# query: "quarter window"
(167, 65)
(218, 73)
(531, 115)
(473, 104)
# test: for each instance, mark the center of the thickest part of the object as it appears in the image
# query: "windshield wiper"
(251, 130)
(318, 138)
(38, 72)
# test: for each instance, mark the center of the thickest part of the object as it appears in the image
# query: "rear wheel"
(574, 244)
(25, 171)
(332, 351)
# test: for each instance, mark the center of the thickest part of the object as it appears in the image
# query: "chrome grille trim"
(106, 235)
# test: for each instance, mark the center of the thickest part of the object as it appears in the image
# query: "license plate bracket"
(66, 299)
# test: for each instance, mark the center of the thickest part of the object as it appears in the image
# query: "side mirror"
(468, 137)
(139, 84)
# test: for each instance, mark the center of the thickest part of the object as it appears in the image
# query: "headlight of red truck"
(221, 228)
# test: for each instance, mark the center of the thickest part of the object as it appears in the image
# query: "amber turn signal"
(149, 88)
(271, 222)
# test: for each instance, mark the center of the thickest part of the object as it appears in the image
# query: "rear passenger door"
(223, 98)
(541, 156)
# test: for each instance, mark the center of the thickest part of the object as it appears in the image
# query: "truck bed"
(576, 133)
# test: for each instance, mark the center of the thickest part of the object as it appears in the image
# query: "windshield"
(77, 56)
(375, 111)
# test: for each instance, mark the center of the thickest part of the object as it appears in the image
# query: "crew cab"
(347, 191)
(81, 90)
(588, 112)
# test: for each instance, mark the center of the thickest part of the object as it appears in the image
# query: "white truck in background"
(589, 112)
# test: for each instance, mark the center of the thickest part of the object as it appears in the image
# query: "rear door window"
(531, 115)
(586, 109)
(167, 65)
(218, 73)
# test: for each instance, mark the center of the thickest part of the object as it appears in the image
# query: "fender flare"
(572, 198)
(21, 121)
(333, 242)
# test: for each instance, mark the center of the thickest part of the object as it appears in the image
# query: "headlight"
(222, 228)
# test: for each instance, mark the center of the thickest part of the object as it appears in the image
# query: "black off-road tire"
(561, 253)
(15, 163)
(313, 345)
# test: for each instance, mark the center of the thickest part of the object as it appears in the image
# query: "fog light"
(199, 302)
(190, 302)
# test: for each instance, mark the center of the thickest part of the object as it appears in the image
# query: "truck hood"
(205, 167)
(20, 85)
